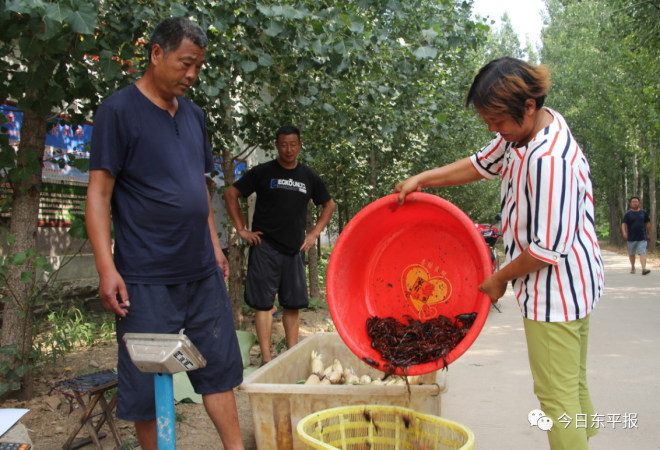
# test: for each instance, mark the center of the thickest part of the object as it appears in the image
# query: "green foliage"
(603, 232)
(605, 84)
(316, 303)
(322, 270)
(10, 375)
(375, 86)
(503, 41)
(19, 260)
(67, 329)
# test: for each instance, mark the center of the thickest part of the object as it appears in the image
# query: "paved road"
(490, 386)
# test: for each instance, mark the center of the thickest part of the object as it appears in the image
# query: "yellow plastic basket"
(381, 427)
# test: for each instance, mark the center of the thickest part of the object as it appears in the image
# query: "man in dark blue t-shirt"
(278, 240)
(149, 156)
(636, 229)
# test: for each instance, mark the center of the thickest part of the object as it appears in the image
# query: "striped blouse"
(548, 207)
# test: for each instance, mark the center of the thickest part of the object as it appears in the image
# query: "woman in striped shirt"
(552, 253)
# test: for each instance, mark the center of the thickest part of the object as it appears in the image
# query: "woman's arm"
(459, 172)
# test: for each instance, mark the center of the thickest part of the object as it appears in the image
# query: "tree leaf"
(50, 29)
(265, 10)
(18, 258)
(442, 117)
(211, 90)
(425, 52)
(305, 101)
(57, 11)
(429, 34)
(318, 47)
(27, 276)
(249, 66)
(8, 349)
(266, 60)
(22, 370)
(274, 28)
(24, 6)
(356, 24)
(83, 20)
(78, 230)
(109, 66)
(178, 10)
(290, 12)
(29, 46)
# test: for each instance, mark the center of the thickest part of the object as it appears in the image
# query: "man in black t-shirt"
(636, 229)
(278, 240)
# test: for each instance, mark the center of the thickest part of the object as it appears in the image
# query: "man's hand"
(310, 240)
(223, 263)
(252, 237)
(113, 293)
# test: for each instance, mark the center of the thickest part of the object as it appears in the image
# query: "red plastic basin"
(423, 259)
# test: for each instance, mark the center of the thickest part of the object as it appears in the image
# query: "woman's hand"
(405, 187)
(494, 287)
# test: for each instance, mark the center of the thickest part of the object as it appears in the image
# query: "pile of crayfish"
(404, 345)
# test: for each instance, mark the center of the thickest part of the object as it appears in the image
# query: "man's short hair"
(170, 32)
(287, 129)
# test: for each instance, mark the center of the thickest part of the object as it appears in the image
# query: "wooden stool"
(94, 385)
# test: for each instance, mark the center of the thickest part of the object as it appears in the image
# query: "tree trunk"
(18, 317)
(637, 190)
(615, 199)
(236, 280)
(653, 202)
(312, 258)
(236, 255)
(373, 172)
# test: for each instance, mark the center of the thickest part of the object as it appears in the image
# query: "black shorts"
(271, 272)
(203, 309)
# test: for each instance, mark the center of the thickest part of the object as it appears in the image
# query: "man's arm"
(97, 218)
(220, 258)
(231, 196)
(324, 219)
(624, 230)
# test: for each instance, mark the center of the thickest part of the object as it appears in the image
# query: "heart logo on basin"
(424, 291)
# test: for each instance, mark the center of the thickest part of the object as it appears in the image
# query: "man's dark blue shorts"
(203, 309)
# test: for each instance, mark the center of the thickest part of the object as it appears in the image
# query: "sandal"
(632, 271)
(646, 272)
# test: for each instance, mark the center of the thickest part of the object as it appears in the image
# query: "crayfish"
(402, 345)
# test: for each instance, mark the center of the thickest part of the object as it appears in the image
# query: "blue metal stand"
(165, 420)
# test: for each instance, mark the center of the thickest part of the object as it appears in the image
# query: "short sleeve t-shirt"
(282, 198)
(636, 221)
(159, 203)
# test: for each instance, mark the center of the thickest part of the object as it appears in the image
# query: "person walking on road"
(149, 155)
(278, 240)
(636, 230)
